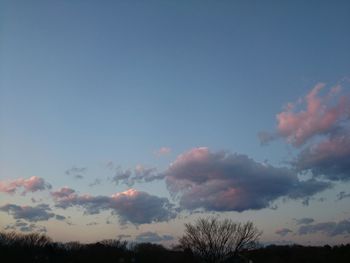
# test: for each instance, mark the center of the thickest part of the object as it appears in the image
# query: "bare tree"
(215, 241)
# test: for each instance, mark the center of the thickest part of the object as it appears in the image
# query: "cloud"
(63, 192)
(60, 218)
(223, 181)
(40, 212)
(96, 182)
(131, 206)
(76, 172)
(163, 151)
(328, 228)
(139, 174)
(304, 221)
(328, 158)
(31, 184)
(311, 116)
(152, 237)
(25, 227)
(283, 232)
(321, 122)
(92, 224)
(342, 195)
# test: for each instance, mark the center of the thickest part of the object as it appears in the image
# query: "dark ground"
(37, 248)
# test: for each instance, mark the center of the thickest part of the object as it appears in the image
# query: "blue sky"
(85, 83)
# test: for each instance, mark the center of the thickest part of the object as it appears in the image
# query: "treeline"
(34, 247)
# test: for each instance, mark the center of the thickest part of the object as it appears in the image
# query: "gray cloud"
(328, 228)
(342, 195)
(304, 221)
(152, 237)
(40, 212)
(131, 206)
(283, 232)
(232, 182)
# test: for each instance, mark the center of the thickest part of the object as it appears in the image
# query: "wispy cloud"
(163, 151)
(328, 228)
(25, 227)
(95, 182)
(304, 221)
(342, 195)
(152, 237)
(283, 232)
(76, 172)
(137, 175)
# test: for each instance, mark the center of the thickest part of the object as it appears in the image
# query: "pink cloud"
(319, 117)
(64, 192)
(31, 184)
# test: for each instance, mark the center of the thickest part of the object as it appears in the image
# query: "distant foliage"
(27, 248)
(24, 240)
(215, 241)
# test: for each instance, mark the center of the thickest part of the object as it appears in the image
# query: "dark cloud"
(304, 221)
(342, 195)
(232, 182)
(328, 158)
(131, 206)
(60, 217)
(328, 228)
(283, 232)
(152, 237)
(31, 184)
(40, 212)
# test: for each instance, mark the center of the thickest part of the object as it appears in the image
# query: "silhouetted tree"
(215, 241)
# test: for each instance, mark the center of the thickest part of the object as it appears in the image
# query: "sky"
(128, 119)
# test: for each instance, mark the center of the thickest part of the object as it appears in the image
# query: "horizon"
(128, 119)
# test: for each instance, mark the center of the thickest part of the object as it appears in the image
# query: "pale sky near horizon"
(129, 118)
